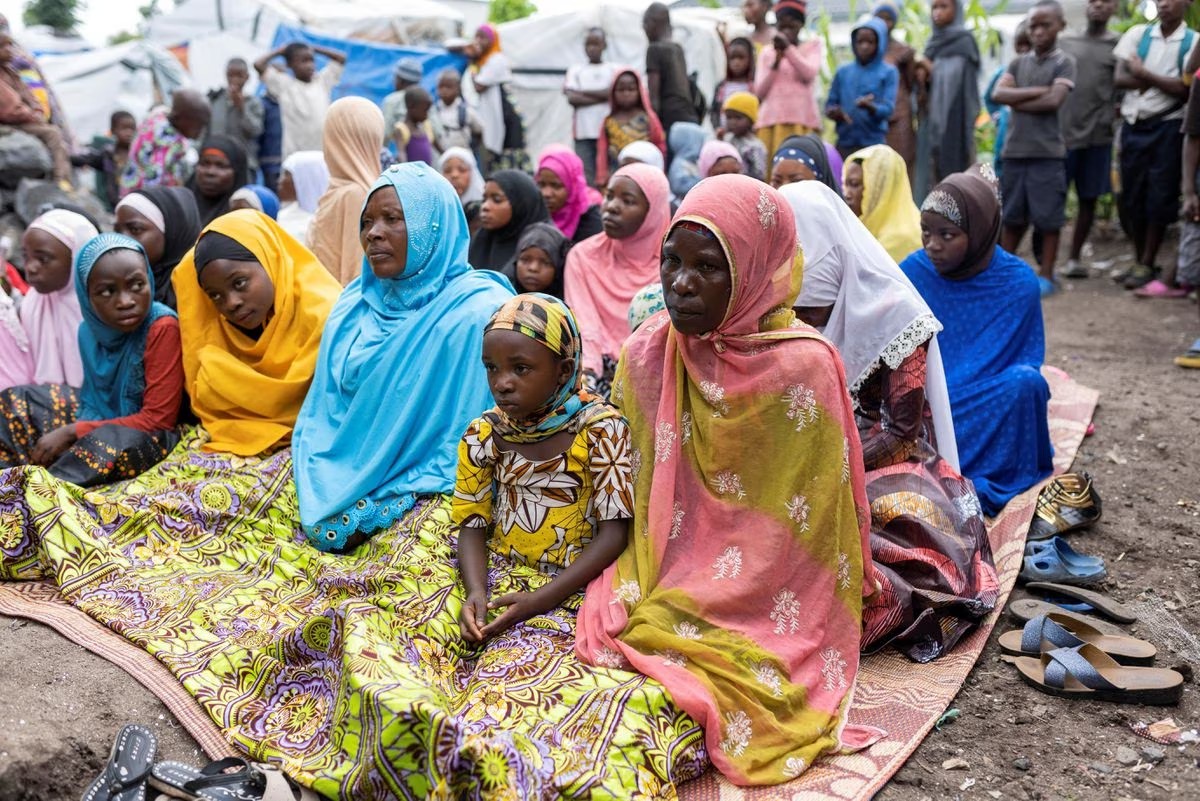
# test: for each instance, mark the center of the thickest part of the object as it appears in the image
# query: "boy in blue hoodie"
(863, 94)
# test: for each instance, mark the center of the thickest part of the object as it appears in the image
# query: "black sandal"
(1068, 503)
(212, 783)
(124, 775)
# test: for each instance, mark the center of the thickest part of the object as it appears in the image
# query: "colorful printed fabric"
(547, 320)
(542, 513)
(108, 453)
(741, 589)
(928, 539)
(347, 671)
(157, 156)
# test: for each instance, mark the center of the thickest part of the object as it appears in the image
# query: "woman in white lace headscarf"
(927, 532)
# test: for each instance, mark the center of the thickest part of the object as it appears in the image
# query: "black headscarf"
(546, 236)
(953, 39)
(968, 200)
(216, 245)
(810, 150)
(181, 219)
(235, 152)
(491, 250)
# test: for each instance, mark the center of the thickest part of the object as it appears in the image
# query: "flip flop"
(1087, 672)
(124, 775)
(1068, 503)
(253, 782)
(1048, 566)
(1068, 630)
(1102, 603)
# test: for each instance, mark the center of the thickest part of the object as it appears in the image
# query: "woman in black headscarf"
(804, 158)
(221, 171)
(166, 222)
(511, 203)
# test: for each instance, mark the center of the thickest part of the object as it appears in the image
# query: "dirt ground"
(60, 706)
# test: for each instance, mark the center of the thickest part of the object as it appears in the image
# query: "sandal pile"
(1068, 503)
(131, 771)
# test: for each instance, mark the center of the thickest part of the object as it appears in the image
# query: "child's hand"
(1191, 207)
(1136, 68)
(473, 617)
(51, 446)
(521, 606)
(780, 42)
(866, 101)
(836, 114)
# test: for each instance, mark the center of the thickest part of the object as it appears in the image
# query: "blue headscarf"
(686, 140)
(400, 373)
(113, 362)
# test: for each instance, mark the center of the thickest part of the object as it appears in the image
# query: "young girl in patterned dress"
(544, 478)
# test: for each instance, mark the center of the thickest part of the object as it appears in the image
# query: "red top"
(164, 384)
(15, 280)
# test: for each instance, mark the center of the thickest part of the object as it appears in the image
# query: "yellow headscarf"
(248, 392)
(888, 211)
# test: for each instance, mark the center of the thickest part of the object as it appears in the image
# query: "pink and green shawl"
(741, 589)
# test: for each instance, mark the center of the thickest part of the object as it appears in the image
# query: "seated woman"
(875, 185)
(416, 302)
(992, 343)
(541, 261)
(511, 203)
(804, 158)
(573, 205)
(719, 158)
(50, 313)
(252, 305)
(458, 166)
(221, 171)
(352, 139)
(122, 422)
(257, 197)
(928, 540)
(302, 180)
(605, 272)
(742, 586)
(166, 223)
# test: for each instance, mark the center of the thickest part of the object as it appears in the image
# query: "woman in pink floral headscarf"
(741, 589)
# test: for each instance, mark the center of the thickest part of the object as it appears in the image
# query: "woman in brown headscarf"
(352, 141)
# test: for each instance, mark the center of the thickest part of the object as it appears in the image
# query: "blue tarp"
(369, 65)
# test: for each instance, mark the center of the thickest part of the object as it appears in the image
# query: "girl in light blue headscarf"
(121, 422)
(400, 372)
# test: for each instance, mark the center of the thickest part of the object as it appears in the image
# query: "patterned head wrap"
(547, 320)
(646, 303)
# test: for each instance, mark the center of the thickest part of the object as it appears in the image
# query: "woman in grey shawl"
(946, 137)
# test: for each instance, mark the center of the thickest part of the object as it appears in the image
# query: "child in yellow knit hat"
(741, 112)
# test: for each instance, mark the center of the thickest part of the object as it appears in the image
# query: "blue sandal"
(1087, 672)
(1067, 630)
(1063, 565)
(1064, 551)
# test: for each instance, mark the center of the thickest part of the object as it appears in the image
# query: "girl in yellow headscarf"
(875, 185)
(252, 304)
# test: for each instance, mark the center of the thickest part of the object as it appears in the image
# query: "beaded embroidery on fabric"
(943, 204)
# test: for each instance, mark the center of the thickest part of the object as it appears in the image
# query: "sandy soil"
(60, 706)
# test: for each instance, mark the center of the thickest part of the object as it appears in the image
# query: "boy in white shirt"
(587, 89)
(303, 94)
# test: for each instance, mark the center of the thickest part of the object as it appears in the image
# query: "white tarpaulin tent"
(217, 30)
(543, 46)
(90, 86)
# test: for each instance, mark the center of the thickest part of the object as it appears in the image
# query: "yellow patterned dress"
(541, 513)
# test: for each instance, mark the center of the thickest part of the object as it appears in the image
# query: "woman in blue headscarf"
(686, 140)
(122, 420)
(400, 372)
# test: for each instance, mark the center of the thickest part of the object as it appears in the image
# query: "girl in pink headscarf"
(573, 205)
(50, 314)
(605, 271)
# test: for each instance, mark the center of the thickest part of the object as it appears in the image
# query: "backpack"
(1143, 48)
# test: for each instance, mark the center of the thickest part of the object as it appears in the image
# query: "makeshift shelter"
(543, 46)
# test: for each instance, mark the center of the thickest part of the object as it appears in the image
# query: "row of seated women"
(479, 663)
